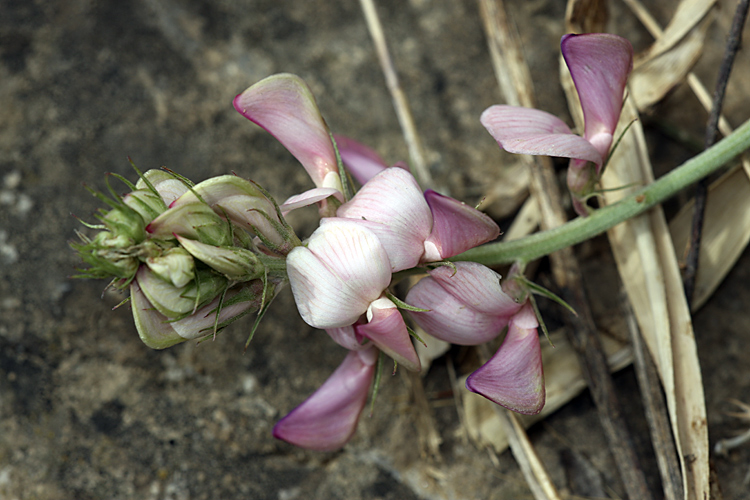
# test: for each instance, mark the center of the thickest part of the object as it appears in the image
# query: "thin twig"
(701, 192)
(566, 271)
(656, 415)
(400, 103)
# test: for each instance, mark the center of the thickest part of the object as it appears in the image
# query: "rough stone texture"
(88, 412)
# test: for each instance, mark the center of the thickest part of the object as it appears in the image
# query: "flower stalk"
(583, 228)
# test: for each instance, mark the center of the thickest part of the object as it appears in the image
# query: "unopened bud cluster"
(195, 257)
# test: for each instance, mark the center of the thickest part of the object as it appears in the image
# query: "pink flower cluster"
(340, 277)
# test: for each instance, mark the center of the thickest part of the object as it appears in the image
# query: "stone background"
(88, 412)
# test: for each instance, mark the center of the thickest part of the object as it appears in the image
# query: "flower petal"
(387, 330)
(599, 64)
(456, 227)
(362, 162)
(327, 419)
(348, 338)
(392, 206)
(284, 106)
(336, 277)
(478, 287)
(514, 377)
(309, 197)
(449, 318)
(533, 132)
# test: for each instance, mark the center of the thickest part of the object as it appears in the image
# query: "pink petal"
(362, 162)
(478, 287)
(327, 419)
(309, 197)
(456, 227)
(533, 132)
(514, 377)
(336, 277)
(348, 338)
(599, 64)
(284, 106)
(387, 330)
(392, 205)
(448, 318)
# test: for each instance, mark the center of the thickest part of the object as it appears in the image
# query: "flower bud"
(236, 264)
(124, 222)
(192, 220)
(174, 265)
(176, 302)
(148, 204)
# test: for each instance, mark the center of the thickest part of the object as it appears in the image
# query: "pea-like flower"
(467, 305)
(340, 278)
(599, 64)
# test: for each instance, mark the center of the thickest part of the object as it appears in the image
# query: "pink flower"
(284, 106)
(339, 279)
(599, 64)
(327, 419)
(413, 227)
(470, 307)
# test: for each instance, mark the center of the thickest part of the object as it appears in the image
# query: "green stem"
(583, 228)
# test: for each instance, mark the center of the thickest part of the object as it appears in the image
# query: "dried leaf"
(726, 231)
(648, 267)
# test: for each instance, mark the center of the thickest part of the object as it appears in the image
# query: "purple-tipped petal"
(327, 419)
(362, 162)
(514, 377)
(392, 205)
(456, 227)
(340, 272)
(533, 132)
(599, 64)
(387, 330)
(284, 106)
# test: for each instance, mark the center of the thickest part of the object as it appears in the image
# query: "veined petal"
(478, 287)
(534, 132)
(362, 162)
(285, 107)
(327, 419)
(449, 318)
(599, 64)
(393, 200)
(336, 277)
(456, 227)
(386, 329)
(514, 377)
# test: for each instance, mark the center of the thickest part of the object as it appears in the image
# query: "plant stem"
(583, 228)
